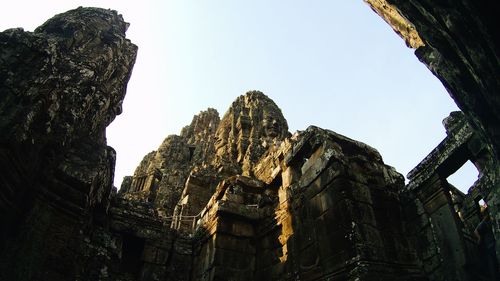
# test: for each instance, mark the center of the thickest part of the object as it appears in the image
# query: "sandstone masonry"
(237, 198)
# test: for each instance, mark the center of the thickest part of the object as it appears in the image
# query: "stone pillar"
(438, 229)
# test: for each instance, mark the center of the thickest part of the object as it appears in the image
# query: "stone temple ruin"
(237, 197)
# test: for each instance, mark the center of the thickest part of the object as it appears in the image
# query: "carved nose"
(118, 109)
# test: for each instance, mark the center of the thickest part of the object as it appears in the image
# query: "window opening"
(464, 178)
(482, 203)
(191, 152)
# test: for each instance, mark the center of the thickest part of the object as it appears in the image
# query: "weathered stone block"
(267, 258)
(235, 227)
(234, 260)
(222, 273)
(236, 198)
(154, 255)
(335, 243)
(431, 267)
(371, 237)
(270, 240)
(308, 256)
(437, 201)
(234, 243)
(289, 176)
(153, 272)
(273, 272)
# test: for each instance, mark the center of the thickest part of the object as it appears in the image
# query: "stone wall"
(331, 211)
(271, 206)
(460, 46)
(61, 85)
(180, 177)
(148, 248)
(161, 176)
(441, 218)
(226, 233)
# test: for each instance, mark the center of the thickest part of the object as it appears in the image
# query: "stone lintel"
(439, 156)
(399, 24)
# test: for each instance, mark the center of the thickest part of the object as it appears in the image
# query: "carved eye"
(107, 37)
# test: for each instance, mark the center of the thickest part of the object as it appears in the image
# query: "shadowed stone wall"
(442, 219)
(316, 205)
(60, 86)
(329, 209)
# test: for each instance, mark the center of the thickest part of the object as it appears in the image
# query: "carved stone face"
(220, 138)
(271, 125)
(250, 124)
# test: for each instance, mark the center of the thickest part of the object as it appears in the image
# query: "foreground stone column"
(60, 86)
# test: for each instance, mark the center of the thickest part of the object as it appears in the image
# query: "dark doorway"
(132, 248)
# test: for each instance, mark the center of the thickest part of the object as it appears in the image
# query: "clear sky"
(333, 64)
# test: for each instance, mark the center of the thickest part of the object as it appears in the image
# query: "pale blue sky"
(333, 64)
